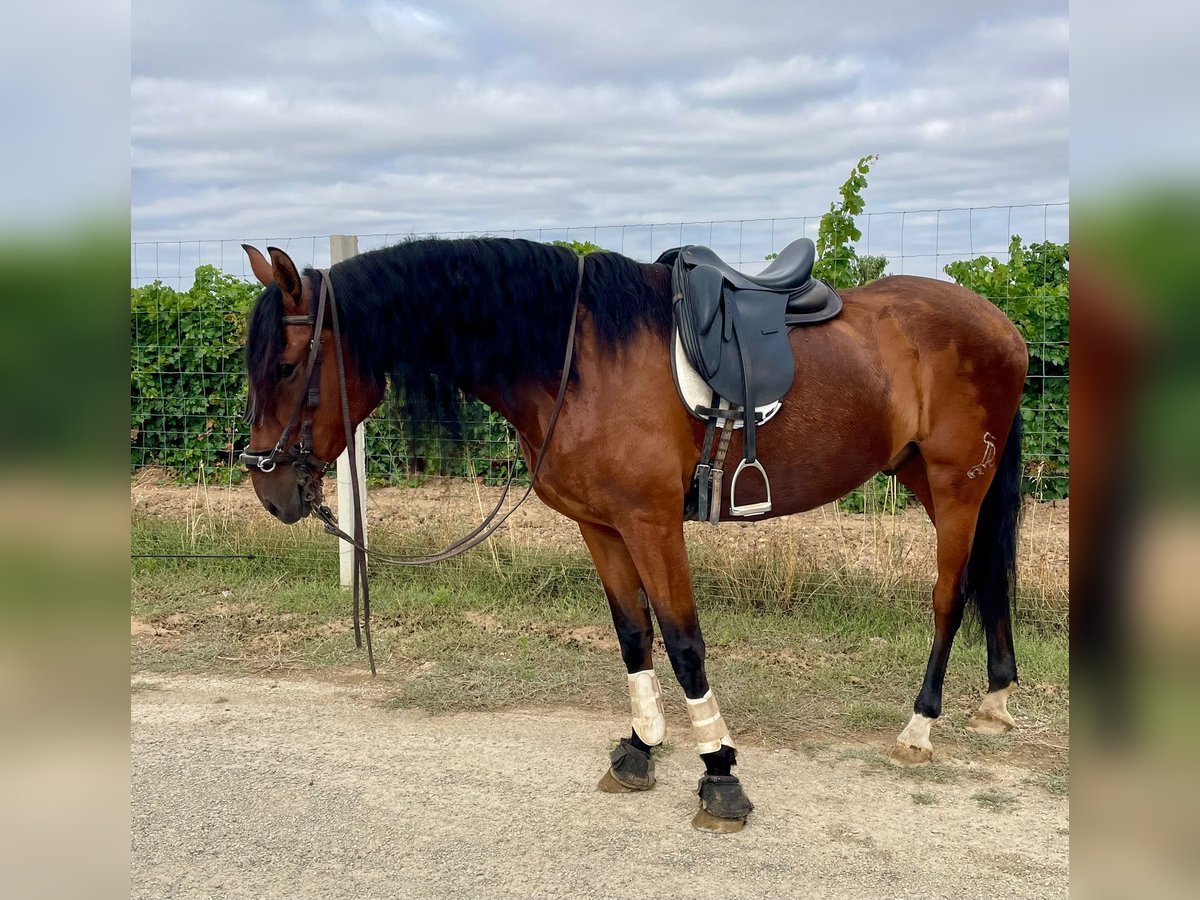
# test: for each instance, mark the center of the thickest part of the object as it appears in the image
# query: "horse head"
(295, 409)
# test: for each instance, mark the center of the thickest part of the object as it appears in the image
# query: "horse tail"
(990, 581)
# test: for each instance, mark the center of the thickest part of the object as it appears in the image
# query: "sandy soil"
(255, 788)
(900, 546)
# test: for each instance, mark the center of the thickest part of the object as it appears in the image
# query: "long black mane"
(433, 319)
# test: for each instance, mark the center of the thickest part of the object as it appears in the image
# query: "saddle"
(733, 330)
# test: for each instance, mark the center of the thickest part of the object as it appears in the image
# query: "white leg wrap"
(645, 699)
(916, 732)
(707, 725)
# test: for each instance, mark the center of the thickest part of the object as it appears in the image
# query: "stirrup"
(754, 509)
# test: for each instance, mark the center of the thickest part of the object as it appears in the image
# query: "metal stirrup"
(753, 509)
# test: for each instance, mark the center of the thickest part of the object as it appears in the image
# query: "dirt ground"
(899, 546)
(313, 787)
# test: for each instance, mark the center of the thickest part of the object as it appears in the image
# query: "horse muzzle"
(290, 492)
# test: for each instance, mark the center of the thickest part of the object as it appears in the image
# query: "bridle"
(310, 468)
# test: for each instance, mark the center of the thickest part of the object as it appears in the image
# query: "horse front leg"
(631, 761)
(659, 554)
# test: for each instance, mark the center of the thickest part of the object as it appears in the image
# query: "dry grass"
(782, 562)
(800, 653)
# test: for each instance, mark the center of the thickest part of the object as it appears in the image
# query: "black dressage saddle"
(734, 332)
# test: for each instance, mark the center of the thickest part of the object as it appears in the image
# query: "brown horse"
(916, 377)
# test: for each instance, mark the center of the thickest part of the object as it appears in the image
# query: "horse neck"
(528, 405)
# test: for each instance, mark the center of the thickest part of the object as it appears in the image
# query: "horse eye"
(286, 370)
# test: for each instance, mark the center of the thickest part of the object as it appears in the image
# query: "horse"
(916, 377)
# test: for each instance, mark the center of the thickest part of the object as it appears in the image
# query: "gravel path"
(256, 788)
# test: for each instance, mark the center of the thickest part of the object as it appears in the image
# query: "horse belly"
(834, 431)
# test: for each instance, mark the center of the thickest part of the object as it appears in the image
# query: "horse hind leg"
(631, 763)
(991, 584)
(955, 524)
(975, 520)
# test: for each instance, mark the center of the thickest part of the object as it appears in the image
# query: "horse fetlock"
(912, 747)
(993, 716)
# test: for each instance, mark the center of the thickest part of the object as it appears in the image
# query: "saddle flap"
(759, 332)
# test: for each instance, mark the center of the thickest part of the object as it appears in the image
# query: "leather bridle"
(309, 468)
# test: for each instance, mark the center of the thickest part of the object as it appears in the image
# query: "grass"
(871, 716)
(875, 763)
(924, 798)
(1057, 781)
(994, 799)
(510, 626)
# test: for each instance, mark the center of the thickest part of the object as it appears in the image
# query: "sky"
(331, 116)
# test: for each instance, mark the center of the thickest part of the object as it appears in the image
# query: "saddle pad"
(694, 392)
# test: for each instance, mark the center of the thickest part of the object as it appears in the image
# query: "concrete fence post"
(341, 247)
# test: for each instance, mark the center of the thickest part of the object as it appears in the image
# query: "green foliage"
(881, 495)
(187, 377)
(866, 269)
(188, 391)
(1032, 289)
(838, 261)
(581, 247)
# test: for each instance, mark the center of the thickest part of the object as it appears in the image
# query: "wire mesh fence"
(188, 395)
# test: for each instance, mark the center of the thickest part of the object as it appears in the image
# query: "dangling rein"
(476, 536)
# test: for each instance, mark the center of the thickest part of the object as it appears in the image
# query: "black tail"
(990, 582)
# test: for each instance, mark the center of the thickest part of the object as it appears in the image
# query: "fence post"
(343, 246)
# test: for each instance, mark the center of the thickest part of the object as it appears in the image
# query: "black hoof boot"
(632, 769)
(723, 804)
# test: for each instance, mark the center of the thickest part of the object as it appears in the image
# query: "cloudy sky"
(324, 116)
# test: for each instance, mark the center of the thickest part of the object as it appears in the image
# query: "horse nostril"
(271, 508)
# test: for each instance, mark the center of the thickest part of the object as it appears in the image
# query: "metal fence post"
(343, 246)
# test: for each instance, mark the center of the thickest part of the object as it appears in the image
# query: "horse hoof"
(631, 770)
(723, 805)
(706, 821)
(909, 756)
(609, 785)
(988, 723)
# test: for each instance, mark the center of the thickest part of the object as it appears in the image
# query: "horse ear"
(285, 274)
(259, 265)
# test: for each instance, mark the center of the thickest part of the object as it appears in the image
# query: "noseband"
(309, 468)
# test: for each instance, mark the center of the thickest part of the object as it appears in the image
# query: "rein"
(309, 467)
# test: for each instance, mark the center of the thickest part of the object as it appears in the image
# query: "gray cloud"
(310, 118)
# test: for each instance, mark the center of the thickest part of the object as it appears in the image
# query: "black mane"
(435, 318)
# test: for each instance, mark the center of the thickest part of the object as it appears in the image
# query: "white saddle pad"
(694, 392)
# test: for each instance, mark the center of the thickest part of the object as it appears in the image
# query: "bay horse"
(916, 377)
